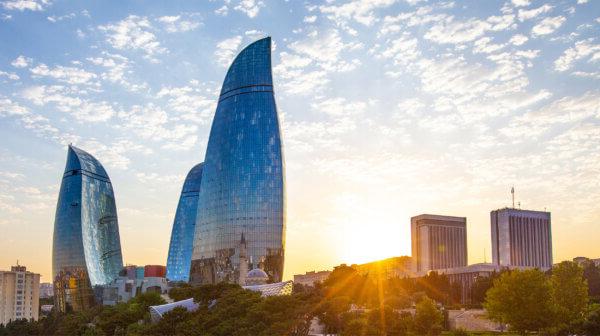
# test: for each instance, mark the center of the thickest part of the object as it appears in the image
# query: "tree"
(591, 273)
(428, 318)
(331, 312)
(591, 326)
(522, 299)
(570, 295)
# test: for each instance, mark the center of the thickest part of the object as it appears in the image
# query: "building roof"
(157, 312)
(273, 289)
(80, 159)
(251, 67)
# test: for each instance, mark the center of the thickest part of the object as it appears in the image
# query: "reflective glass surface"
(86, 248)
(242, 189)
(182, 234)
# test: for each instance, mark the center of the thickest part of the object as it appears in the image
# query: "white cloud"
(403, 50)
(113, 154)
(521, 3)
(547, 26)
(21, 62)
(81, 109)
(570, 109)
(116, 67)
(54, 18)
(175, 24)
(21, 5)
(581, 2)
(310, 19)
(483, 45)
(133, 33)
(226, 49)
(361, 11)
(518, 39)
(457, 32)
(339, 107)
(525, 14)
(410, 106)
(189, 102)
(250, 7)
(9, 75)
(325, 49)
(595, 75)
(70, 75)
(151, 122)
(9, 108)
(582, 49)
(222, 11)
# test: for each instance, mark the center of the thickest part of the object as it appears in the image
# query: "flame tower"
(242, 192)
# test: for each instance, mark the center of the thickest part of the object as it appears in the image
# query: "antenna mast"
(512, 191)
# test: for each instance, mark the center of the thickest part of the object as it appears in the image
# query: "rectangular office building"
(521, 238)
(19, 295)
(438, 242)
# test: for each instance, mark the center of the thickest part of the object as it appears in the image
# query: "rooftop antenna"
(484, 256)
(519, 204)
(512, 191)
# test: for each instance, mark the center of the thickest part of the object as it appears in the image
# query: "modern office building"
(182, 234)
(19, 295)
(521, 238)
(438, 242)
(242, 192)
(86, 250)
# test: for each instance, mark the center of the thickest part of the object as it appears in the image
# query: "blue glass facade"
(182, 234)
(86, 248)
(243, 184)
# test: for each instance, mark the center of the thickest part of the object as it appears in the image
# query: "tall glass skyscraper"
(242, 192)
(182, 234)
(87, 249)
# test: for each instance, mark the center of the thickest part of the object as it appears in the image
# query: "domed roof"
(257, 273)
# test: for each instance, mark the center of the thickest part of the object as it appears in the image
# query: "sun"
(369, 239)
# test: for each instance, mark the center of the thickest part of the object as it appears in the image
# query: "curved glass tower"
(182, 235)
(87, 249)
(243, 185)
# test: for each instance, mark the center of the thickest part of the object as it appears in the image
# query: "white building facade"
(19, 295)
(438, 242)
(521, 238)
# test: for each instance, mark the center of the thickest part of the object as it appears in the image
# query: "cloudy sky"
(390, 108)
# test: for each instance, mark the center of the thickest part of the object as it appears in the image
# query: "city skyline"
(389, 109)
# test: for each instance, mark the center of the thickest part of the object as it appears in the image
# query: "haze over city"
(389, 109)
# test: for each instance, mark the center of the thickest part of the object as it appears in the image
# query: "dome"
(256, 277)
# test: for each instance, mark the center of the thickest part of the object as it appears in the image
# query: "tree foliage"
(522, 299)
(569, 294)
(428, 318)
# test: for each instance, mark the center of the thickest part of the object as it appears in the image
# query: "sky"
(389, 109)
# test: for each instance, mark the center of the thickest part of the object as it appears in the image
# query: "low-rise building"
(395, 267)
(19, 295)
(132, 282)
(310, 278)
(582, 260)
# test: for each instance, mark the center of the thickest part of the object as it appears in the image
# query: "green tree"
(355, 326)
(591, 273)
(570, 295)
(428, 318)
(331, 312)
(522, 299)
(591, 326)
